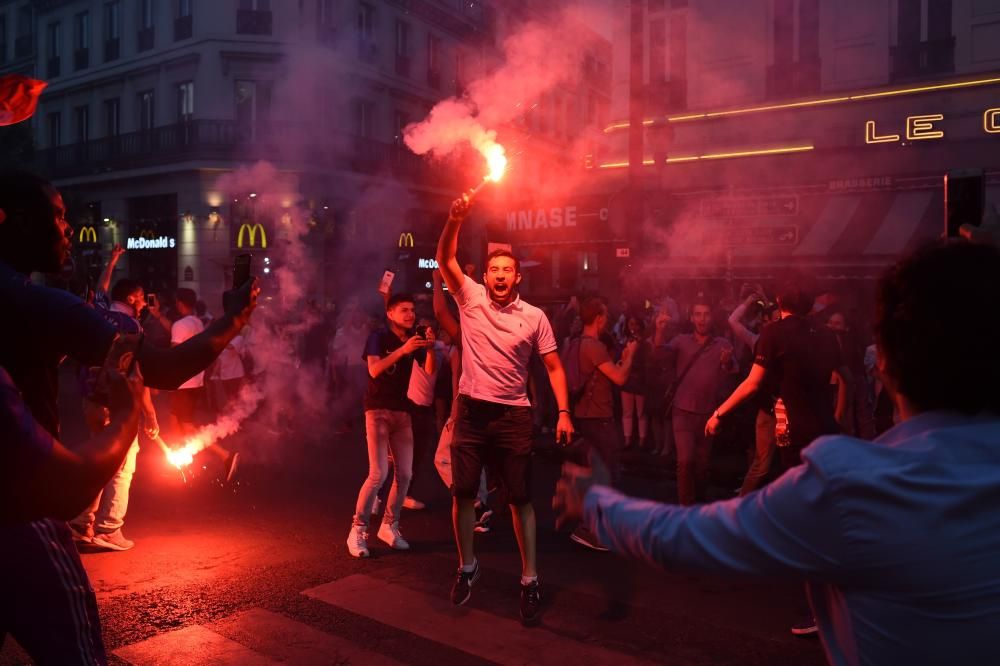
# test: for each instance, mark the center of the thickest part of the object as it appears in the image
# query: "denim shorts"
(495, 435)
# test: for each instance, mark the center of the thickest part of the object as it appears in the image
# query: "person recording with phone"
(51, 325)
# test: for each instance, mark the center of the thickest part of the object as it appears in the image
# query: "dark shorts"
(182, 404)
(497, 436)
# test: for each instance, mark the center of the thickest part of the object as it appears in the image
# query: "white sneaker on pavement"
(389, 533)
(357, 541)
(413, 504)
(113, 541)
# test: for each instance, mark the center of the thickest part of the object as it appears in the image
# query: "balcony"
(367, 50)
(793, 79)
(53, 67)
(253, 22)
(112, 49)
(913, 61)
(183, 27)
(24, 45)
(434, 79)
(403, 65)
(146, 38)
(81, 59)
(226, 140)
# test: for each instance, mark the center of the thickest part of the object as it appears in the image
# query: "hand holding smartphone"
(386, 283)
(241, 270)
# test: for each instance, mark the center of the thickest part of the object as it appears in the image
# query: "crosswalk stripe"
(189, 646)
(498, 639)
(294, 642)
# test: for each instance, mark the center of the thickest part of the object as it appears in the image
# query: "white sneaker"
(357, 542)
(413, 504)
(389, 532)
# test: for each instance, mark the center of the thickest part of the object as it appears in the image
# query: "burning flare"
(496, 158)
(182, 457)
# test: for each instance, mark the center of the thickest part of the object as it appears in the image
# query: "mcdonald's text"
(161, 243)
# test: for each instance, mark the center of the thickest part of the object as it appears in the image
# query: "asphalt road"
(259, 573)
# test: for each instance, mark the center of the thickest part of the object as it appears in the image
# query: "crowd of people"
(871, 464)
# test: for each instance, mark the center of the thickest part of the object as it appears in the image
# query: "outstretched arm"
(441, 311)
(169, 368)
(448, 244)
(105, 283)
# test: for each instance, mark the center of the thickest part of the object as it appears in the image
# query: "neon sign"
(922, 127)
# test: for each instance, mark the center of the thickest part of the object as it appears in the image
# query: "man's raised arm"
(169, 368)
(448, 244)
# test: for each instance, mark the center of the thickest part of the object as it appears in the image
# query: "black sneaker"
(531, 603)
(462, 589)
(806, 627)
(587, 539)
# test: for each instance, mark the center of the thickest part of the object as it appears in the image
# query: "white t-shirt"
(182, 330)
(230, 365)
(497, 344)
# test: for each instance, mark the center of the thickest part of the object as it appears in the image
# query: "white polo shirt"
(497, 344)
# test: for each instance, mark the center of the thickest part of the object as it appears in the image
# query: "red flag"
(18, 97)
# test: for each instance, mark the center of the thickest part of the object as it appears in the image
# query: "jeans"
(386, 429)
(693, 452)
(634, 409)
(766, 442)
(602, 436)
(106, 512)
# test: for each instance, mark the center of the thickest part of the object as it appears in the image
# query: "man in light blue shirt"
(897, 540)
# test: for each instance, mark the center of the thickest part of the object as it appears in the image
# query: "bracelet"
(717, 415)
(564, 410)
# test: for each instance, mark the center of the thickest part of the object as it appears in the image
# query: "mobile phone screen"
(241, 270)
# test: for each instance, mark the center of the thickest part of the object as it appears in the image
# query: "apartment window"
(326, 18)
(400, 121)
(366, 32)
(81, 123)
(55, 129)
(112, 31)
(147, 110)
(53, 46)
(147, 33)
(185, 101)
(81, 40)
(460, 79)
(112, 117)
(24, 40)
(402, 48)
(657, 51)
(253, 17)
(433, 61)
(253, 108)
(184, 21)
(925, 44)
(3, 39)
(364, 118)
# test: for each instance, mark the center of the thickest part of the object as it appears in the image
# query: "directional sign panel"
(750, 206)
(780, 235)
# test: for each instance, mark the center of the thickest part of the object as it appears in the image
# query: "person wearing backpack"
(590, 373)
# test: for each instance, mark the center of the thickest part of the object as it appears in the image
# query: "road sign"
(745, 235)
(622, 252)
(750, 206)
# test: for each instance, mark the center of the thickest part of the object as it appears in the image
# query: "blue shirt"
(898, 540)
(41, 327)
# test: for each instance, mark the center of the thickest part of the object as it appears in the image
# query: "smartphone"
(151, 300)
(241, 269)
(964, 199)
(386, 283)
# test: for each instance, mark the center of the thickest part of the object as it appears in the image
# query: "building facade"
(155, 110)
(799, 134)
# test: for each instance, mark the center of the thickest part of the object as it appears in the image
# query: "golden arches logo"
(406, 239)
(252, 230)
(88, 234)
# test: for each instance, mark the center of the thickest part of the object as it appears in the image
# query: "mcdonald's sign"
(88, 234)
(406, 239)
(251, 230)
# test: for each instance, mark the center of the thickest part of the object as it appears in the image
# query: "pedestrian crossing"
(258, 636)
